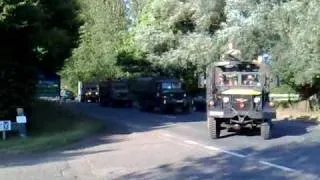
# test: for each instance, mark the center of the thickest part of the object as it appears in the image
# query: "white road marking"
(225, 151)
(277, 166)
(170, 117)
(167, 135)
(191, 142)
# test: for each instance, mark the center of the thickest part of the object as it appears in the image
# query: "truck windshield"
(91, 89)
(227, 79)
(120, 86)
(250, 79)
(232, 79)
(170, 85)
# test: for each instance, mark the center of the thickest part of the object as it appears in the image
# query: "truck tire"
(142, 106)
(214, 128)
(129, 104)
(265, 130)
(188, 109)
(162, 109)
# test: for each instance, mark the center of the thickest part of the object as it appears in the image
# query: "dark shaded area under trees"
(35, 35)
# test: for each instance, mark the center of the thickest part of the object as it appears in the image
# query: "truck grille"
(242, 103)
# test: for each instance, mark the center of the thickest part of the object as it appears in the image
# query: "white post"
(79, 90)
(3, 135)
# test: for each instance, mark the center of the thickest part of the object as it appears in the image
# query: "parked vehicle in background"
(115, 93)
(67, 95)
(161, 93)
(90, 92)
(238, 97)
(48, 86)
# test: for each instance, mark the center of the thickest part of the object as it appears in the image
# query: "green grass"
(52, 126)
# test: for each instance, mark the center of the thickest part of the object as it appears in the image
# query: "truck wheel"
(214, 128)
(265, 130)
(130, 104)
(188, 109)
(142, 106)
(162, 109)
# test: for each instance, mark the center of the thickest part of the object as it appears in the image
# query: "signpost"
(4, 127)
(21, 120)
(19, 125)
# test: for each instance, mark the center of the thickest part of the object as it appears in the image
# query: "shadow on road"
(226, 167)
(88, 146)
(293, 127)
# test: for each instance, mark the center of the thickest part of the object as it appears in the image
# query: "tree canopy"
(174, 37)
(35, 35)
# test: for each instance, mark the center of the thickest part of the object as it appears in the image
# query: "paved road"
(293, 150)
(154, 146)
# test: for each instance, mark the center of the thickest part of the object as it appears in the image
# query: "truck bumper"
(229, 114)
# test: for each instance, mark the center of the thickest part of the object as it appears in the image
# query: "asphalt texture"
(142, 145)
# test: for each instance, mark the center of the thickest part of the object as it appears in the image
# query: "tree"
(27, 25)
(289, 30)
(176, 36)
(101, 37)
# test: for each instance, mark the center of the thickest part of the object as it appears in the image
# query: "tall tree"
(32, 39)
(101, 37)
(178, 33)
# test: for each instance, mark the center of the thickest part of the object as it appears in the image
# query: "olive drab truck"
(161, 93)
(115, 93)
(238, 97)
(90, 92)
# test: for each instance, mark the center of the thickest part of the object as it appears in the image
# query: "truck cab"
(90, 93)
(238, 97)
(161, 93)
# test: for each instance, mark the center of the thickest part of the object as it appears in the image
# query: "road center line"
(277, 166)
(225, 151)
(191, 142)
(167, 135)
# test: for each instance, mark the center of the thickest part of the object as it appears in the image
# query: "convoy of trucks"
(237, 96)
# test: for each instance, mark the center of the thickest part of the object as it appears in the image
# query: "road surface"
(153, 146)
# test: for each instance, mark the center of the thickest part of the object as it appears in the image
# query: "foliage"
(288, 30)
(100, 39)
(178, 34)
(34, 35)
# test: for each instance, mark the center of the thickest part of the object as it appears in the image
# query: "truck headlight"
(257, 99)
(89, 93)
(97, 93)
(185, 95)
(226, 99)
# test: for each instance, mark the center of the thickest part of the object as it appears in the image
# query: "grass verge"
(51, 126)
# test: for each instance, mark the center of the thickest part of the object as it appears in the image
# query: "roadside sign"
(5, 125)
(21, 119)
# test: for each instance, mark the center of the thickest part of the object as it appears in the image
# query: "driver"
(249, 80)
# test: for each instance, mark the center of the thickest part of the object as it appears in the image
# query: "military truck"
(238, 97)
(162, 94)
(115, 93)
(90, 92)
